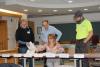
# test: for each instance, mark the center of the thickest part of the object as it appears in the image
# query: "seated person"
(52, 46)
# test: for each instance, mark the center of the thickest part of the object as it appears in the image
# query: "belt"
(81, 39)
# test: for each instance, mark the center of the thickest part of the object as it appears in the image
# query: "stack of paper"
(31, 47)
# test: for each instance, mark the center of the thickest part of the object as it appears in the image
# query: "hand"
(27, 43)
(85, 41)
(55, 51)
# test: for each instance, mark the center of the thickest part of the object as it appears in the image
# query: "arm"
(90, 33)
(88, 37)
(40, 48)
(59, 48)
(58, 33)
(17, 37)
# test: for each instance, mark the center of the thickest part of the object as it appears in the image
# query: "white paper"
(78, 55)
(62, 55)
(17, 55)
(6, 55)
(30, 52)
(27, 55)
(31, 48)
(49, 54)
(38, 55)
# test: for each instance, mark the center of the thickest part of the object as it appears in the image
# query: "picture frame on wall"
(39, 29)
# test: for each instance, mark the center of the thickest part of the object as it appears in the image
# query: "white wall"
(61, 19)
(12, 24)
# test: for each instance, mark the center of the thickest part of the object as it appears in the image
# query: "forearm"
(89, 36)
(21, 42)
(59, 36)
(40, 48)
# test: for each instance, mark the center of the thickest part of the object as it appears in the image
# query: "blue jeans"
(24, 50)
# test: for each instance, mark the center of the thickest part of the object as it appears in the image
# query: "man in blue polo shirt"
(48, 29)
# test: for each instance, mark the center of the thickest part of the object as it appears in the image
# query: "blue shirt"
(50, 30)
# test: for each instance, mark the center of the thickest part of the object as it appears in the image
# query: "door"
(31, 24)
(3, 35)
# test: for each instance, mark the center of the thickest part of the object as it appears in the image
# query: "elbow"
(61, 34)
(91, 33)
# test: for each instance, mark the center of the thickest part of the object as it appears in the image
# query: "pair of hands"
(40, 48)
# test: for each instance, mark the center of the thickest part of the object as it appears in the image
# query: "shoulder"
(87, 21)
(51, 27)
(18, 29)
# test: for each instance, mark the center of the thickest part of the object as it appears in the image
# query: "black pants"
(81, 48)
(9, 65)
(44, 59)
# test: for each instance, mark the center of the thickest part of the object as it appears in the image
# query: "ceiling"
(50, 7)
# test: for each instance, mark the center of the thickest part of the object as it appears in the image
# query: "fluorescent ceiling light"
(55, 10)
(86, 9)
(70, 1)
(40, 10)
(10, 12)
(25, 10)
(70, 10)
(32, 0)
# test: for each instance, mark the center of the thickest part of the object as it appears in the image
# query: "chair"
(9, 65)
(94, 41)
(95, 49)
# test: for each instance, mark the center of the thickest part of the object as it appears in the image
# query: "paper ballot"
(31, 47)
(78, 55)
(63, 55)
(49, 54)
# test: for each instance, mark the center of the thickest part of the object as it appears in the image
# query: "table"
(49, 55)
